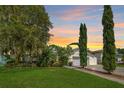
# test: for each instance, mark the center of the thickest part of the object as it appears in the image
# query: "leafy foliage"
(47, 58)
(54, 55)
(123, 58)
(62, 54)
(57, 64)
(120, 51)
(24, 30)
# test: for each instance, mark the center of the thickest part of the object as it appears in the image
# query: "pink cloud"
(76, 13)
(73, 14)
(70, 31)
(94, 29)
(76, 16)
(119, 33)
(117, 15)
(63, 31)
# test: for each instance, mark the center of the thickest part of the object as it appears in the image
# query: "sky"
(66, 21)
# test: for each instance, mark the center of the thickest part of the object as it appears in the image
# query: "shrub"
(9, 64)
(50, 63)
(38, 63)
(9, 61)
(122, 58)
(70, 63)
(57, 64)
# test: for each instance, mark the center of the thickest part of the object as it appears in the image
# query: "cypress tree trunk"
(83, 45)
(108, 59)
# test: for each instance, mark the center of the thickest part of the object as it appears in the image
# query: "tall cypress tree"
(83, 45)
(108, 59)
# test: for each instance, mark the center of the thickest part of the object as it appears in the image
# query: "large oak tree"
(24, 30)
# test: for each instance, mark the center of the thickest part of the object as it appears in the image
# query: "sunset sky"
(66, 21)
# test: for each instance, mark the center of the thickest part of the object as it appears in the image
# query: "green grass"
(51, 77)
(120, 65)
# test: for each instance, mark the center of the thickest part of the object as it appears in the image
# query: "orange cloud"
(120, 25)
(60, 32)
(93, 45)
(119, 43)
(64, 36)
(63, 41)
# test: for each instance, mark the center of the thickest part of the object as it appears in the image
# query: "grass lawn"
(120, 65)
(51, 77)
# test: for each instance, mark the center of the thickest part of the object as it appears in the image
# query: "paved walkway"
(106, 76)
(118, 71)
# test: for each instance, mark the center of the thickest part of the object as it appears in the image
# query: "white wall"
(76, 62)
(92, 60)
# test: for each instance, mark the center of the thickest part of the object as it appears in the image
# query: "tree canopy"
(24, 30)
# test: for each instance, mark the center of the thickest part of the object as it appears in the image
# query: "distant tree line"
(120, 50)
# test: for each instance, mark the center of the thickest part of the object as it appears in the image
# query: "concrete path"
(118, 71)
(106, 76)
